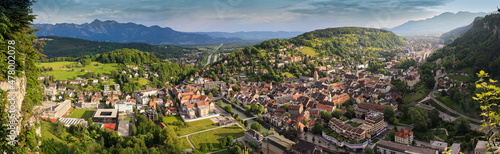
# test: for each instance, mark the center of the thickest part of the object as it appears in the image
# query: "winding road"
(443, 115)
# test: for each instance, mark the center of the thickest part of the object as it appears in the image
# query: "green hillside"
(339, 41)
(73, 47)
(478, 49)
(260, 62)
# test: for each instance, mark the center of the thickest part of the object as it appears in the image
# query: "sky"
(253, 15)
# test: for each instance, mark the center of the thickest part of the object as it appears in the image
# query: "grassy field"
(61, 72)
(215, 136)
(288, 75)
(448, 101)
(309, 51)
(82, 113)
(184, 143)
(195, 126)
(421, 91)
(171, 119)
(47, 133)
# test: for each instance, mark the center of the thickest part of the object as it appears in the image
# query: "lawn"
(215, 136)
(184, 143)
(309, 51)
(82, 113)
(195, 126)
(128, 118)
(420, 92)
(172, 118)
(61, 72)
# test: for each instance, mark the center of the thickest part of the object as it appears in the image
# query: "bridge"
(250, 118)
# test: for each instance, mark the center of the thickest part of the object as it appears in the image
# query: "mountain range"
(438, 24)
(112, 31)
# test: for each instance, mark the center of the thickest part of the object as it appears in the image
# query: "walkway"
(250, 118)
(431, 96)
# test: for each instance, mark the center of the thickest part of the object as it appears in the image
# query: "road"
(210, 56)
(443, 115)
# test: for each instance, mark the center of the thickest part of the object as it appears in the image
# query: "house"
(324, 107)
(94, 81)
(74, 82)
(151, 114)
(404, 136)
(295, 110)
(125, 106)
(364, 108)
(254, 136)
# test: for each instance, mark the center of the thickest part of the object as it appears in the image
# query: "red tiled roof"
(324, 107)
(109, 126)
(404, 133)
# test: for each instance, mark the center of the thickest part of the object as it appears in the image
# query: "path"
(187, 137)
(228, 125)
(431, 96)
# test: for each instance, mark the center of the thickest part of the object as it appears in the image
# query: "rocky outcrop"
(19, 87)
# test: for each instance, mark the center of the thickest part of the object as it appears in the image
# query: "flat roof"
(405, 148)
(99, 113)
(281, 140)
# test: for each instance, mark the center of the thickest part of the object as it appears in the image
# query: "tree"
(285, 106)
(325, 116)
(487, 96)
(203, 148)
(245, 123)
(461, 125)
(256, 126)
(287, 115)
(350, 113)
(419, 117)
(210, 95)
(337, 113)
(389, 113)
(368, 150)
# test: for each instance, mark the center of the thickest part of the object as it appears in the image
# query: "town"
(348, 109)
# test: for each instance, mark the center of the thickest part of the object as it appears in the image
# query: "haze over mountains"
(438, 24)
(113, 31)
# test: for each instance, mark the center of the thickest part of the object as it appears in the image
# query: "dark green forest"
(74, 47)
(478, 48)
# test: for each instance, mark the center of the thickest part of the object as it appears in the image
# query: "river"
(243, 116)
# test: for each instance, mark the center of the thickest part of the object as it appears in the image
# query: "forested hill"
(478, 48)
(74, 47)
(455, 33)
(261, 62)
(340, 41)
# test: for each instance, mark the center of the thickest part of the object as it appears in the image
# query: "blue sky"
(253, 15)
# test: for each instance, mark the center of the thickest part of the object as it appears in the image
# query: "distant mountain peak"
(438, 24)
